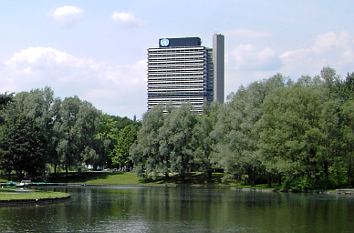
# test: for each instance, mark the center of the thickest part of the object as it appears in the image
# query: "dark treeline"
(297, 135)
(40, 134)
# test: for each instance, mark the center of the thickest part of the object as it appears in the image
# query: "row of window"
(152, 95)
(176, 74)
(169, 74)
(174, 86)
(163, 63)
(177, 66)
(179, 77)
(177, 85)
(177, 58)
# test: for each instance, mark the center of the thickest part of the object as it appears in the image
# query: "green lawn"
(13, 194)
(115, 179)
(2, 180)
(130, 178)
(96, 178)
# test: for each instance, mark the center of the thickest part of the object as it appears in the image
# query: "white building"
(181, 70)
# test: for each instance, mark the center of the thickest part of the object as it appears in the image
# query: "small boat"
(24, 183)
(9, 183)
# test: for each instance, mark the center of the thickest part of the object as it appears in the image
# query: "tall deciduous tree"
(238, 130)
(176, 139)
(203, 141)
(77, 127)
(120, 154)
(27, 131)
(25, 147)
(145, 152)
(293, 134)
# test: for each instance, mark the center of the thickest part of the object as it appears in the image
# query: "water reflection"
(183, 209)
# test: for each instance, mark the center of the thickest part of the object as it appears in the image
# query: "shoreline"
(15, 197)
(42, 201)
(341, 192)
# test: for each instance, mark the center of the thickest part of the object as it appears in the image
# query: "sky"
(97, 50)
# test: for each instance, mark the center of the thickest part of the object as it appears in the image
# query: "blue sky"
(97, 49)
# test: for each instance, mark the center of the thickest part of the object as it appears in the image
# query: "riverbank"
(130, 178)
(97, 178)
(192, 179)
(197, 179)
(9, 197)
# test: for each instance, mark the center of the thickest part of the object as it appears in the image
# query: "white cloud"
(67, 15)
(249, 57)
(39, 56)
(121, 89)
(234, 78)
(247, 33)
(329, 49)
(246, 63)
(116, 89)
(126, 18)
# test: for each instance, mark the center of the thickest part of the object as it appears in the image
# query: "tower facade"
(218, 61)
(181, 70)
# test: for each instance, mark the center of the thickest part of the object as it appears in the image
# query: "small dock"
(345, 191)
(14, 184)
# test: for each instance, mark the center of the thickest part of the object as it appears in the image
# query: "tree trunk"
(19, 175)
(183, 176)
(269, 179)
(279, 179)
(326, 174)
(9, 175)
(209, 175)
(325, 168)
(350, 172)
(252, 177)
(66, 170)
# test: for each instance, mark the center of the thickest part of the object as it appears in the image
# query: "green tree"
(292, 135)
(145, 152)
(203, 141)
(114, 141)
(176, 148)
(30, 110)
(238, 130)
(120, 155)
(77, 128)
(348, 139)
(5, 161)
(25, 148)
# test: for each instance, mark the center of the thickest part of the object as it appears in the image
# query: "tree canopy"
(40, 134)
(294, 134)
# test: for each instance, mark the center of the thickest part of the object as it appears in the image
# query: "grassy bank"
(129, 178)
(18, 194)
(196, 179)
(115, 179)
(98, 178)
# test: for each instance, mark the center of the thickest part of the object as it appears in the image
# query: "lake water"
(182, 209)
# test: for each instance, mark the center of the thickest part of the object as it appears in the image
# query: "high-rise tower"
(181, 70)
(218, 61)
